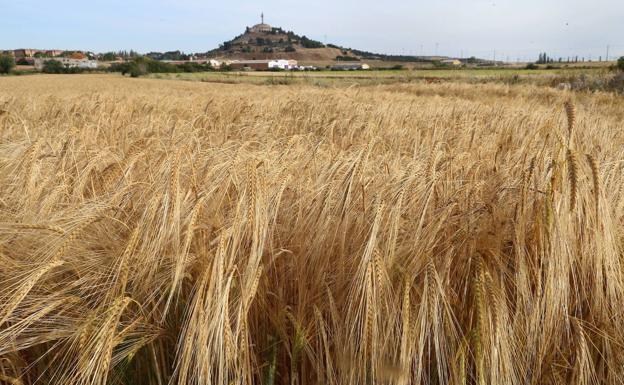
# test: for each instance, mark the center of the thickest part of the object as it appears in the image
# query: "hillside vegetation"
(157, 232)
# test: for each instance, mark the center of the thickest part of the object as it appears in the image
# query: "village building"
(31, 53)
(68, 62)
(25, 53)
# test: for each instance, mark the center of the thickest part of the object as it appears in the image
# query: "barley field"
(166, 232)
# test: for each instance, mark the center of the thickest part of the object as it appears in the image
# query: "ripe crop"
(156, 232)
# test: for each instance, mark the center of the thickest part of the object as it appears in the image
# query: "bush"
(290, 48)
(346, 58)
(138, 68)
(620, 63)
(531, 66)
(53, 67)
(6, 64)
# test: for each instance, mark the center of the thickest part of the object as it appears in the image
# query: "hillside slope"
(278, 43)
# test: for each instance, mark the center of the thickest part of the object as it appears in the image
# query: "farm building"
(215, 63)
(260, 65)
(350, 67)
(452, 62)
(283, 64)
(68, 62)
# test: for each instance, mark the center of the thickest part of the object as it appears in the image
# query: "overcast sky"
(511, 28)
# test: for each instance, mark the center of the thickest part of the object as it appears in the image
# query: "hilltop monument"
(262, 27)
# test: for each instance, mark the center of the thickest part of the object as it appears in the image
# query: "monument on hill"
(262, 27)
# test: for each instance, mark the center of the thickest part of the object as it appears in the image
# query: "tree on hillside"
(309, 43)
(6, 64)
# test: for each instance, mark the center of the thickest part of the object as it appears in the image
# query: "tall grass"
(159, 232)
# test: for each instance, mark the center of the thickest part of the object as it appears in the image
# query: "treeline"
(170, 55)
(143, 65)
(544, 58)
(376, 56)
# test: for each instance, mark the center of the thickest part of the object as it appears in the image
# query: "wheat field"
(160, 232)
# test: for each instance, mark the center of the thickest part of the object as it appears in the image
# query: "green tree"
(6, 64)
(620, 63)
(109, 56)
(53, 67)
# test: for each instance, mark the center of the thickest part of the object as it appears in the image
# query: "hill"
(263, 41)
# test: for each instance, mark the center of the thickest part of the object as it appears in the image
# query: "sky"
(501, 29)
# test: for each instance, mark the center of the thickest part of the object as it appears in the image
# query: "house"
(24, 53)
(350, 67)
(54, 52)
(31, 53)
(68, 62)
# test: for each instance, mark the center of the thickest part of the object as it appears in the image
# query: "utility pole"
(607, 52)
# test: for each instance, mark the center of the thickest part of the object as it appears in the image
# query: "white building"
(215, 63)
(283, 64)
(67, 63)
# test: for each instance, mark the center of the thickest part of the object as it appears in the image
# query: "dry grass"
(156, 232)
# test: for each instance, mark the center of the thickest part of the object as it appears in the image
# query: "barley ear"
(571, 113)
(572, 177)
(593, 165)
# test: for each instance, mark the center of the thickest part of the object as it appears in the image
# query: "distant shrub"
(6, 64)
(531, 66)
(138, 69)
(346, 58)
(620, 63)
(290, 48)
